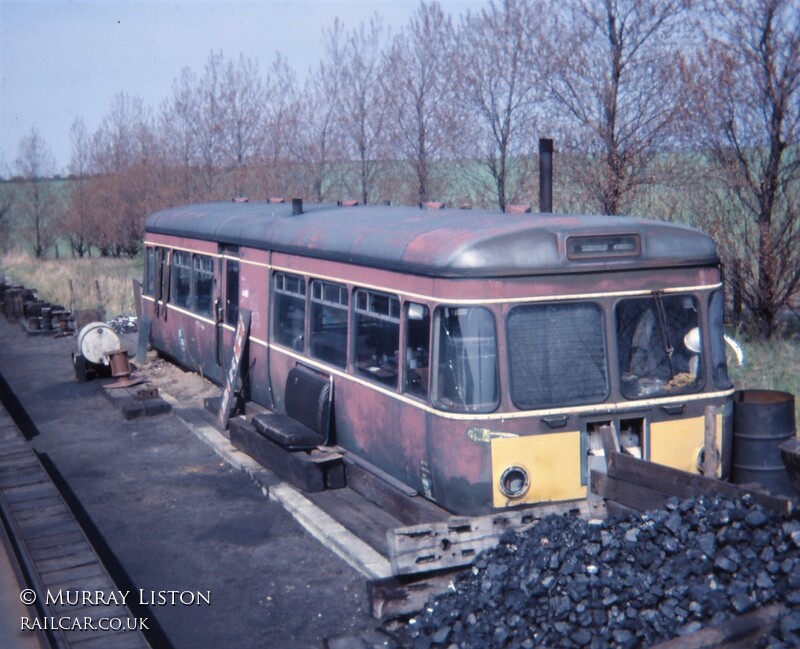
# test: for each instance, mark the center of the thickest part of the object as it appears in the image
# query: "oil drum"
(762, 421)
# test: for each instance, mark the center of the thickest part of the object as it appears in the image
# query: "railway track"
(71, 599)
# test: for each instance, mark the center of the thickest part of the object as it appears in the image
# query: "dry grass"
(51, 279)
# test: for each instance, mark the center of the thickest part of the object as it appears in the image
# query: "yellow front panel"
(553, 462)
(678, 443)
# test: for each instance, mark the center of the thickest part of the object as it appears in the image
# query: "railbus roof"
(444, 242)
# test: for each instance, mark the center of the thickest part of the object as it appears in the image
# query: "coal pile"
(629, 582)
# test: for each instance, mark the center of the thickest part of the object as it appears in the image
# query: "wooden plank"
(22, 477)
(742, 632)
(365, 519)
(632, 496)
(30, 492)
(57, 551)
(82, 557)
(456, 542)
(393, 597)
(400, 500)
(294, 467)
(78, 576)
(55, 540)
(23, 507)
(710, 456)
(27, 513)
(683, 484)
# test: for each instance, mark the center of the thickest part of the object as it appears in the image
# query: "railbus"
(474, 355)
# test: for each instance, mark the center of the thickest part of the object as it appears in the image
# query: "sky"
(64, 59)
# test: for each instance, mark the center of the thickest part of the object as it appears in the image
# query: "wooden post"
(710, 456)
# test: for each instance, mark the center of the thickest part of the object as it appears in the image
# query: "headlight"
(514, 482)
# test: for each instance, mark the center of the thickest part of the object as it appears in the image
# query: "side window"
(203, 284)
(467, 377)
(329, 306)
(150, 271)
(162, 273)
(417, 351)
(377, 327)
(232, 291)
(289, 309)
(719, 364)
(181, 278)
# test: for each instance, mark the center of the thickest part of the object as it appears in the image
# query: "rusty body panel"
(435, 262)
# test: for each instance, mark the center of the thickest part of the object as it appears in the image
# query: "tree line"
(685, 110)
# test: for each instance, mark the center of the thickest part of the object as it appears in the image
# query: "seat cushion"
(287, 432)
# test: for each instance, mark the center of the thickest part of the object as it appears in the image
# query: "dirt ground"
(166, 513)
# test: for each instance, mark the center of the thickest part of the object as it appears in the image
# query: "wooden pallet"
(50, 549)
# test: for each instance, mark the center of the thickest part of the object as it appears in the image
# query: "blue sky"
(61, 59)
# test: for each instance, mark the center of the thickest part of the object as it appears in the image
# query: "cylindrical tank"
(762, 421)
(96, 340)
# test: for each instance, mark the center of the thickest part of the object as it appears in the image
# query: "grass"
(773, 365)
(51, 280)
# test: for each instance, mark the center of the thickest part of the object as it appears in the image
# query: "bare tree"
(127, 180)
(243, 101)
(420, 84)
(179, 135)
(499, 82)
(209, 123)
(75, 222)
(318, 142)
(615, 71)
(37, 203)
(748, 103)
(278, 130)
(363, 103)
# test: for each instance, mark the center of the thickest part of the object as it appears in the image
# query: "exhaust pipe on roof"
(545, 175)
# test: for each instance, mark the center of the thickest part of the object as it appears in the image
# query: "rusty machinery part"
(95, 341)
(121, 370)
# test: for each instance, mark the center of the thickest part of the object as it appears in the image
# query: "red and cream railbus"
(474, 355)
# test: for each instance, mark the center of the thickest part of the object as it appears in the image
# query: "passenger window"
(329, 305)
(377, 326)
(203, 279)
(417, 354)
(288, 325)
(181, 278)
(467, 377)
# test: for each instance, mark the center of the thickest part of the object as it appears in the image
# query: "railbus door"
(227, 303)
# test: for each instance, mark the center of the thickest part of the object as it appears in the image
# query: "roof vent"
(241, 199)
(297, 206)
(432, 205)
(347, 203)
(275, 200)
